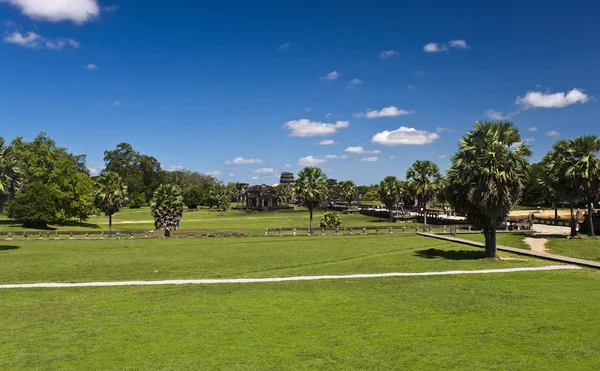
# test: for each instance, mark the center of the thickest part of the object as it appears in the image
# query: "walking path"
(537, 244)
(543, 255)
(278, 279)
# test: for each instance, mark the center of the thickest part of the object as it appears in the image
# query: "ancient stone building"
(259, 197)
(286, 178)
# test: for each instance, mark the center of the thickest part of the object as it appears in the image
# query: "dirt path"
(537, 244)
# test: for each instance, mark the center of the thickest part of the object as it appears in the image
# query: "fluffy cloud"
(264, 170)
(215, 173)
(440, 129)
(404, 135)
(326, 142)
(244, 161)
(360, 150)
(390, 111)
(77, 11)
(368, 159)
(553, 133)
(336, 157)
(331, 76)
(528, 141)
(443, 156)
(537, 99)
(355, 83)
(307, 128)
(32, 40)
(91, 66)
(439, 47)
(311, 161)
(179, 166)
(533, 128)
(387, 54)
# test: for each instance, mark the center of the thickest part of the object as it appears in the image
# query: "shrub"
(330, 220)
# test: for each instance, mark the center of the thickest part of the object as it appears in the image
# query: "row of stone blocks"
(350, 231)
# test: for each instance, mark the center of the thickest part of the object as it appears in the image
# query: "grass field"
(577, 248)
(505, 239)
(520, 320)
(253, 224)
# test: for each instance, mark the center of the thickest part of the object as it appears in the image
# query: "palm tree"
(585, 171)
(312, 188)
(167, 207)
(284, 192)
(440, 190)
(488, 175)
(424, 175)
(110, 195)
(559, 185)
(390, 192)
(347, 190)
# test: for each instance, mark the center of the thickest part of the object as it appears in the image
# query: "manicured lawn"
(210, 221)
(504, 239)
(577, 248)
(80, 260)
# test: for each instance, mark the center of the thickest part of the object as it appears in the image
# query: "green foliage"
(221, 197)
(36, 204)
(487, 176)
(110, 194)
(284, 193)
(136, 200)
(10, 174)
(195, 196)
(347, 191)
(536, 192)
(423, 176)
(372, 196)
(311, 188)
(167, 207)
(391, 191)
(330, 220)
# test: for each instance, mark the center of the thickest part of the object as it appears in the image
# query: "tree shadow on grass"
(451, 254)
(8, 247)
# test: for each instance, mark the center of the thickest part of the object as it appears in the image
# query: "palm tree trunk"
(556, 213)
(591, 216)
(109, 226)
(425, 214)
(493, 252)
(573, 222)
(311, 217)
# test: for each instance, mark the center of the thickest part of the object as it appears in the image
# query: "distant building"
(286, 178)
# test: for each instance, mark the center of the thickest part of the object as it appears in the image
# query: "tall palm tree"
(585, 170)
(110, 195)
(167, 207)
(390, 192)
(347, 190)
(424, 175)
(312, 188)
(440, 190)
(488, 175)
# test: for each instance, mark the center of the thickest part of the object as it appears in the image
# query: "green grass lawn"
(525, 320)
(505, 239)
(253, 224)
(588, 249)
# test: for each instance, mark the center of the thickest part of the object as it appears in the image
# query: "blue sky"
(245, 90)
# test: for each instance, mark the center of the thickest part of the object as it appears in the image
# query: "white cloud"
(264, 170)
(179, 166)
(537, 99)
(311, 161)
(440, 129)
(404, 135)
(553, 133)
(387, 54)
(390, 111)
(495, 115)
(215, 173)
(244, 161)
(360, 150)
(77, 11)
(533, 128)
(283, 47)
(111, 8)
(117, 103)
(254, 178)
(368, 159)
(288, 165)
(355, 83)
(336, 157)
(331, 76)
(328, 114)
(91, 66)
(392, 157)
(434, 48)
(307, 128)
(31, 40)
(326, 142)
(95, 169)
(443, 156)
(524, 141)
(439, 47)
(458, 44)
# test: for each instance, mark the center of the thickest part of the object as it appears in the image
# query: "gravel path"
(278, 279)
(537, 244)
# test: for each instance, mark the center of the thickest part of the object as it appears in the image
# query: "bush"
(195, 196)
(136, 200)
(36, 205)
(330, 220)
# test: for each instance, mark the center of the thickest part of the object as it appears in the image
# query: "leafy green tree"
(110, 195)
(424, 176)
(194, 197)
(372, 196)
(221, 197)
(10, 174)
(585, 171)
(390, 192)
(487, 176)
(440, 190)
(36, 205)
(535, 192)
(330, 220)
(312, 188)
(167, 207)
(284, 193)
(347, 191)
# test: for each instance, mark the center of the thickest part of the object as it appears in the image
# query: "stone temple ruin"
(259, 198)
